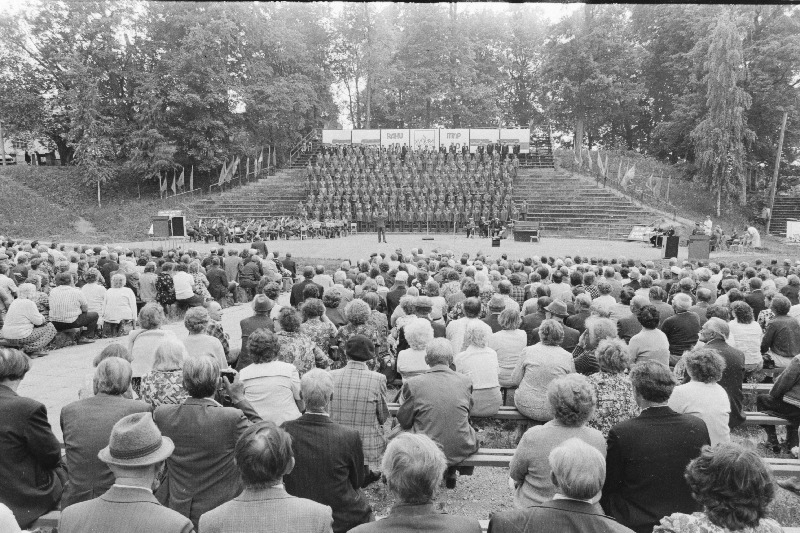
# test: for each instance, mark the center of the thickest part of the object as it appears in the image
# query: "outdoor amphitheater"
(399, 267)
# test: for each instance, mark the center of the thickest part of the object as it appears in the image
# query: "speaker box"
(178, 227)
(671, 248)
(496, 242)
(160, 227)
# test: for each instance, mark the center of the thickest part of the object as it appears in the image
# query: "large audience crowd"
(630, 375)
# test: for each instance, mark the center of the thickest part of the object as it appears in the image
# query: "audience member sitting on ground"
(119, 308)
(135, 455)
(25, 325)
(164, 383)
(200, 343)
(734, 487)
(539, 365)
(508, 343)
(263, 455)
(201, 473)
(438, 404)
(572, 401)
(359, 402)
(183, 282)
(329, 467)
(30, 455)
(578, 471)
(479, 363)
(615, 400)
(68, 309)
(270, 385)
(86, 426)
(703, 397)
(413, 466)
(639, 491)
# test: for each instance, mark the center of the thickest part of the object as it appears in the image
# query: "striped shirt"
(65, 304)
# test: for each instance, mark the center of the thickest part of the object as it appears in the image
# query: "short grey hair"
(579, 469)
(200, 376)
(572, 399)
(583, 301)
(112, 376)
(118, 281)
(597, 329)
(551, 332)
(196, 319)
(316, 388)
(637, 302)
(170, 355)
(477, 334)
(718, 327)
(439, 352)
(414, 466)
(510, 318)
(419, 333)
(151, 316)
(26, 291)
(682, 302)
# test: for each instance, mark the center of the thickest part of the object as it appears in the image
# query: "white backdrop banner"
(337, 136)
(520, 136)
(372, 137)
(457, 137)
(422, 138)
(391, 137)
(482, 137)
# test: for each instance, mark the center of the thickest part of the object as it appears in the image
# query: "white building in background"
(39, 151)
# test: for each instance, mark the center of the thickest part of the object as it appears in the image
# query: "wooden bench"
(510, 413)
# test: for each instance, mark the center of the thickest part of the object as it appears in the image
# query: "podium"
(699, 246)
(671, 246)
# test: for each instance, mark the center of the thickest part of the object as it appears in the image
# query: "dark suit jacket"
(645, 462)
(791, 292)
(569, 343)
(393, 300)
(290, 265)
(261, 246)
(248, 326)
(564, 516)
(217, 282)
(407, 517)
(201, 474)
(86, 425)
(29, 455)
(532, 322)
(296, 297)
(492, 321)
(122, 510)
(329, 468)
(578, 320)
(756, 300)
(627, 327)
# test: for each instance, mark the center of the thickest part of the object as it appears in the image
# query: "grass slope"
(40, 202)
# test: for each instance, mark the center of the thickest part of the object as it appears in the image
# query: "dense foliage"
(127, 88)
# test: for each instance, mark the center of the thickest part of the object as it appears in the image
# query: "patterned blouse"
(201, 285)
(322, 333)
(165, 289)
(700, 523)
(458, 311)
(764, 318)
(163, 387)
(301, 351)
(381, 324)
(615, 401)
(347, 331)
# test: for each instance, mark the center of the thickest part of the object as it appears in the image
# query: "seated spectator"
(86, 426)
(471, 308)
(263, 456)
(413, 466)
(597, 329)
(142, 343)
(539, 365)
(629, 325)
(703, 397)
(572, 401)
(147, 283)
(377, 318)
(650, 344)
(296, 297)
(557, 310)
(184, 288)
(615, 401)
(329, 467)
(357, 314)
(359, 402)
(29, 452)
(165, 287)
(322, 332)
(781, 341)
(215, 329)
(295, 347)
(164, 383)
(262, 306)
(508, 343)
(438, 404)
(200, 343)
(25, 324)
(783, 400)
(69, 309)
(583, 306)
(201, 282)
(734, 486)
(135, 455)
(112, 350)
(332, 300)
(639, 489)
(119, 308)
(704, 297)
(682, 329)
(479, 363)
(271, 386)
(94, 291)
(201, 473)
(411, 361)
(746, 335)
(578, 471)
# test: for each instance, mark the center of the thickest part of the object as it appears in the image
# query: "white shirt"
(273, 390)
(411, 362)
(479, 364)
(119, 304)
(755, 236)
(184, 285)
(707, 401)
(747, 338)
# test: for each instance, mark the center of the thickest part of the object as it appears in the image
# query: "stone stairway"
(786, 207)
(566, 205)
(272, 196)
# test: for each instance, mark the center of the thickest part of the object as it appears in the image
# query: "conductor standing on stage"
(380, 223)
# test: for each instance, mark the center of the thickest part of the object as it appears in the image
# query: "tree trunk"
(719, 199)
(65, 152)
(578, 141)
(369, 65)
(428, 113)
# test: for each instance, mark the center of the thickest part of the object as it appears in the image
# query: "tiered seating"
(786, 207)
(274, 196)
(433, 188)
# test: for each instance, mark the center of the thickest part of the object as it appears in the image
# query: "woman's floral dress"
(347, 331)
(322, 333)
(165, 289)
(298, 349)
(615, 401)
